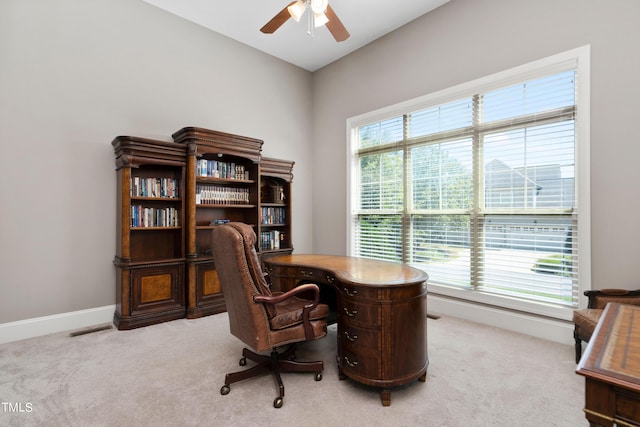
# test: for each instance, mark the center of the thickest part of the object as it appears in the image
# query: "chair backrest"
(599, 298)
(241, 278)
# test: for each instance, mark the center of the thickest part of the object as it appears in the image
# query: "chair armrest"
(306, 288)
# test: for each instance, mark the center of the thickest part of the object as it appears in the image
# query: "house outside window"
(484, 186)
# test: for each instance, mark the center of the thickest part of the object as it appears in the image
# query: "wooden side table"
(611, 367)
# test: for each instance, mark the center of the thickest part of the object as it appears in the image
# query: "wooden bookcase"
(170, 196)
(223, 184)
(274, 232)
(150, 258)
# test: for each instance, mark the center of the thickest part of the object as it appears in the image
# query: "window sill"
(502, 302)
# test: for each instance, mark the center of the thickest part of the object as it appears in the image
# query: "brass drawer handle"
(350, 363)
(351, 293)
(330, 279)
(351, 338)
(304, 273)
(351, 313)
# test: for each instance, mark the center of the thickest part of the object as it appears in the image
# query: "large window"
(484, 186)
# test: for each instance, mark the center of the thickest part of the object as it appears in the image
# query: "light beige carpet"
(170, 375)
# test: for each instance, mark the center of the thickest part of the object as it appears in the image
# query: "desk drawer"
(358, 293)
(360, 340)
(628, 406)
(367, 365)
(355, 313)
(303, 273)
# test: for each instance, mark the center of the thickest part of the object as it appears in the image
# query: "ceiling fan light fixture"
(320, 14)
(319, 19)
(297, 9)
(319, 6)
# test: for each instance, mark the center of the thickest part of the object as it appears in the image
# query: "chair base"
(275, 363)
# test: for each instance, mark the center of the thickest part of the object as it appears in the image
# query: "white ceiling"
(241, 20)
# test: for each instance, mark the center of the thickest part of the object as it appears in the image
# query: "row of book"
(218, 169)
(154, 187)
(216, 195)
(271, 215)
(154, 217)
(270, 240)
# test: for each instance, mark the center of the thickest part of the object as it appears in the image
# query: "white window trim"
(581, 58)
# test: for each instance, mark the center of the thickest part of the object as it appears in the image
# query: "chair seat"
(289, 313)
(586, 320)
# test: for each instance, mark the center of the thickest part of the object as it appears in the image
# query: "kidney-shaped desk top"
(354, 270)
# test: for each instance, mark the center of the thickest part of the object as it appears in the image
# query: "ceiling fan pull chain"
(310, 19)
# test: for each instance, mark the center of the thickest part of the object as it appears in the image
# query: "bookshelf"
(223, 184)
(149, 259)
(274, 234)
(170, 196)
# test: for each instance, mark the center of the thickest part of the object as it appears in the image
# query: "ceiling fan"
(320, 14)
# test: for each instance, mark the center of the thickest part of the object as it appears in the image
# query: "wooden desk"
(611, 367)
(381, 314)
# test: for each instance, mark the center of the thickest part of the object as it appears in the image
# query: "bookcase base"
(124, 323)
(205, 294)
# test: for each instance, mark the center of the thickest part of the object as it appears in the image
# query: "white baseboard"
(546, 328)
(30, 328)
(553, 330)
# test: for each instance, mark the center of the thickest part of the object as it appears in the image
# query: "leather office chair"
(586, 319)
(261, 319)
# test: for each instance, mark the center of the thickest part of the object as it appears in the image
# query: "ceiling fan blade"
(277, 21)
(334, 25)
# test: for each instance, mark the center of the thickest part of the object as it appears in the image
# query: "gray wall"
(76, 73)
(468, 39)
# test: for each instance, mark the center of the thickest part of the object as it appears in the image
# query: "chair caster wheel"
(318, 376)
(243, 361)
(277, 403)
(225, 390)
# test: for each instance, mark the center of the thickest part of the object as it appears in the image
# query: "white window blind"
(479, 191)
